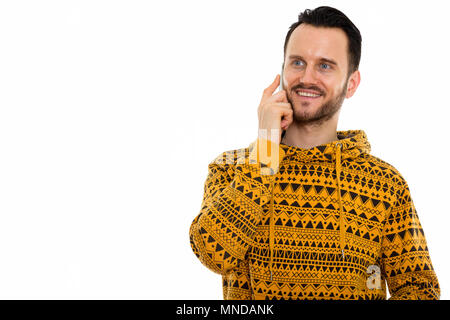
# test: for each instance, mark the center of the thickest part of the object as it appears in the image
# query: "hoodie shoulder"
(232, 157)
(383, 168)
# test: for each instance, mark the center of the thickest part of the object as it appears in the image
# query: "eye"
(325, 64)
(295, 62)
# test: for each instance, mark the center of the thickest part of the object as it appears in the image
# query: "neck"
(308, 136)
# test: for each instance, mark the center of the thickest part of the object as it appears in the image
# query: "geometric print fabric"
(328, 224)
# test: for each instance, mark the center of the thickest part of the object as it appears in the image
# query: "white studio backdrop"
(110, 112)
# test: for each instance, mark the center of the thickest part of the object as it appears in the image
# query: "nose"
(309, 75)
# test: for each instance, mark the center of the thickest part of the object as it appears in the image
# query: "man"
(310, 214)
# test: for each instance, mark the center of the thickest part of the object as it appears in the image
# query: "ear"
(353, 83)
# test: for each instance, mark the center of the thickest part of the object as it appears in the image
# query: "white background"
(110, 112)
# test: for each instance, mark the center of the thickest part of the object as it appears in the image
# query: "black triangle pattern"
(230, 236)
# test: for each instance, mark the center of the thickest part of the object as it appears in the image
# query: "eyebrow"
(330, 61)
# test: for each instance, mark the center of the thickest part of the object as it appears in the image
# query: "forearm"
(222, 233)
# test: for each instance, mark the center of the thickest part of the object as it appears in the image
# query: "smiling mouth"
(307, 95)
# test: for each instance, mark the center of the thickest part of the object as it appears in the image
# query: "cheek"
(332, 88)
(291, 77)
(287, 81)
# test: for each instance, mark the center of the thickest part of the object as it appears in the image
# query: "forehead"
(313, 42)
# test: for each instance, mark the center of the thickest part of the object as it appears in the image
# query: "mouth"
(308, 95)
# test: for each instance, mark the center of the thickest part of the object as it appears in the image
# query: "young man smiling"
(306, 212)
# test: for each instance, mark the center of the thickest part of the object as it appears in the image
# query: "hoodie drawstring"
(271, 231)
(341, 211)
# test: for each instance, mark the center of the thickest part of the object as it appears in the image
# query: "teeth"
(307, 94)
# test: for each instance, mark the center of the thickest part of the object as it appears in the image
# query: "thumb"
(280, 96)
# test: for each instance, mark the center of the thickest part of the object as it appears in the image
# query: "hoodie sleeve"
(237, 283)
(231, 210)
(406, 262)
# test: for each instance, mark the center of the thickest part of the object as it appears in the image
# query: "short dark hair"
(329, 17)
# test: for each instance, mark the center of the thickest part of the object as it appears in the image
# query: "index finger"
(268, 92)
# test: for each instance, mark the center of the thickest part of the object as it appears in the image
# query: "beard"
(325, 112)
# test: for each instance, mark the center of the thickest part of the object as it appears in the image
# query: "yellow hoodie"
(330, 222)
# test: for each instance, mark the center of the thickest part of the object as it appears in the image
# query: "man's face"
(316, 62)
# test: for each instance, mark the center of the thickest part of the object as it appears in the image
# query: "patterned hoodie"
(329, 222)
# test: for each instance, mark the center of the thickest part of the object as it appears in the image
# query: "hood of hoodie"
(354, 143)
(350, 145)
